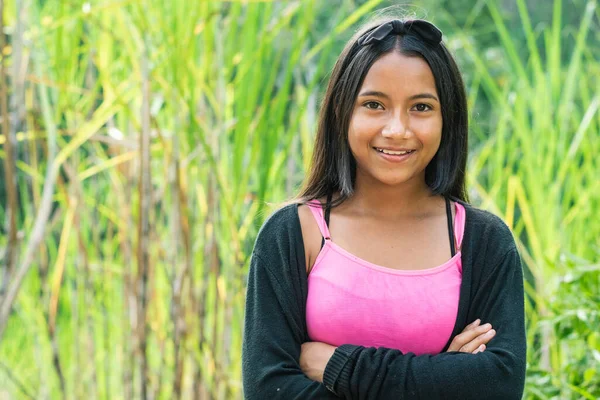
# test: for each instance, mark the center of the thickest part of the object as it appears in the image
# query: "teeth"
(393, 152)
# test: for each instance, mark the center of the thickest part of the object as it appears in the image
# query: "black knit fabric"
(275, 326)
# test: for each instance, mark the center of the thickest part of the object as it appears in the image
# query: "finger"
(481, 339)
(467, 336)
(473, 324)
(479, 349)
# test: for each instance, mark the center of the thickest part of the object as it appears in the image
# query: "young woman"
(380, 281)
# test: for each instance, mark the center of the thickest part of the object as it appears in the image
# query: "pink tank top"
(353, 301)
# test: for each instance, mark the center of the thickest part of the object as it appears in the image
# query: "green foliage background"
(142, 142)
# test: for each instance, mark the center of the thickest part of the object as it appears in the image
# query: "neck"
(379, 200)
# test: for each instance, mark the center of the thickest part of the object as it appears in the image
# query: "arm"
(273, 335)
(356, 372)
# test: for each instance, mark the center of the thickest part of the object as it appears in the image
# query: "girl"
(380, 280)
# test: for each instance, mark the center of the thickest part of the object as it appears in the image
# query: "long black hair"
(333, 167)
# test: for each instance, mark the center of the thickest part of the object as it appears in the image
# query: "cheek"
(431, 133)
(357, 126)
(353, 141)
(356, 132)
(362, 128)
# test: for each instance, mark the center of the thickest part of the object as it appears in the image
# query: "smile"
(394, 156)
(392, 152)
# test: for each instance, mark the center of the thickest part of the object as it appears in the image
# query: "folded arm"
(356, 372)
(273, 336)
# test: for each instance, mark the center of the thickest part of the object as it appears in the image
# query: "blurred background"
(142, 142)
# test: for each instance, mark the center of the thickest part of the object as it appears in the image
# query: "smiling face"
(397, 110)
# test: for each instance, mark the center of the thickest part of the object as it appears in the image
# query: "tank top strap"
(451, 232)
(317, 211)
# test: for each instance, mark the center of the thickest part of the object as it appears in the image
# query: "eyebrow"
(385, 96)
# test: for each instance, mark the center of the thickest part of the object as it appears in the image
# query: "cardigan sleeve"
(273, 327)
(356, 372)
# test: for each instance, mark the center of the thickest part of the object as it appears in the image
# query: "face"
(397, 111)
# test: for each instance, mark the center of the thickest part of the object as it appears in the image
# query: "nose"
(397, 125)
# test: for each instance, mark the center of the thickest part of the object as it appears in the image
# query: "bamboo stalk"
(88, 296)
(42, 215)
(145, 194)
(188, 272)
(199, 294)
(59, 268)
(212, 273)
(180, 274)
(19, 68)
(175, 276)
(129, 311)
(9, 169)
(130, 295)
(56, 361)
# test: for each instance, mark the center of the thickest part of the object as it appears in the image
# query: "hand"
(473, 338)
(314, 357)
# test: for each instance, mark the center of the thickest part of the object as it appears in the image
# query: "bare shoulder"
(310, 235)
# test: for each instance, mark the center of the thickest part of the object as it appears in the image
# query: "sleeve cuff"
(335, 375)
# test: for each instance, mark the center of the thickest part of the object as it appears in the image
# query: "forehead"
(399, 72)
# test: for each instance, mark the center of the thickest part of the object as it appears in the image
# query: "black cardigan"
(275, 326)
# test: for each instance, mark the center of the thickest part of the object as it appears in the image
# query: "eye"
(372, 105)
(421, 107)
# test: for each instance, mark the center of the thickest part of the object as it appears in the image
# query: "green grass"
(539, 170)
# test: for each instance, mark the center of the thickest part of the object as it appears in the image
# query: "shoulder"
(489, 248)
(281, 217)
(281, 221)
(280, 232)
(278, 250)
(308, 224)
(486, 233)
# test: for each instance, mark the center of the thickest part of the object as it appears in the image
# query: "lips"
(394, 158)
(394, 151)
